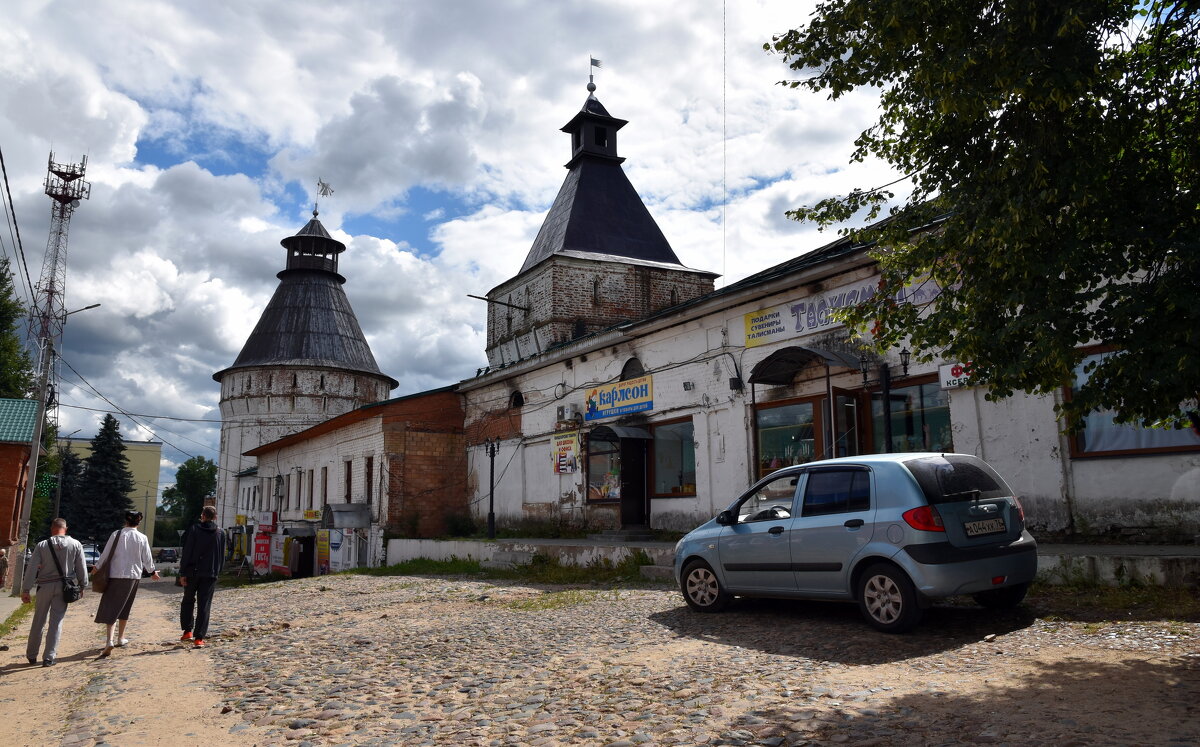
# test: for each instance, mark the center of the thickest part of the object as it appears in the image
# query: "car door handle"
(854, 523)
(775, 530)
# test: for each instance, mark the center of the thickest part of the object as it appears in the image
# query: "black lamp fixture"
(864, 365)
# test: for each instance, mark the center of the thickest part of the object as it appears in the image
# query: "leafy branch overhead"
(1051, 153)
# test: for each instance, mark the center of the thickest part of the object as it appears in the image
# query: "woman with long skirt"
(126, 554)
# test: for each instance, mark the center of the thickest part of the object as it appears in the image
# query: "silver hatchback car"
(890, 531)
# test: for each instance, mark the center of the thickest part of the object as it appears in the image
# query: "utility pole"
(65, 186)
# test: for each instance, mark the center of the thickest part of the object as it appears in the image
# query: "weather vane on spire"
(591, 86)
(323, 190)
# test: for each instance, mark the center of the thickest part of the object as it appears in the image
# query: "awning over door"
(346, 516)
(781, 366)
(613, 432)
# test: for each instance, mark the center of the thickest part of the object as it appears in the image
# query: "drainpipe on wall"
(753, 437)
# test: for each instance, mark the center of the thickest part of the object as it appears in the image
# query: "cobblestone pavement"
(395, 660)
(360, 660)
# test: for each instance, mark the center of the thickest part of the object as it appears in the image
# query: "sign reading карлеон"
(620, 398)
(815, 313)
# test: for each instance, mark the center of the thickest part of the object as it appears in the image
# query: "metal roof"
(597, 210)
(309, 321)
(17, 418)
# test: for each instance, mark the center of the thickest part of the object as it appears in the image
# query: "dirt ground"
(764, 673)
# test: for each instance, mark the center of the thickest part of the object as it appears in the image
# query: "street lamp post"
(492, 446)
(46, 345)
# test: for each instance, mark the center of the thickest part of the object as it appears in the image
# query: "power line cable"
(13, 221)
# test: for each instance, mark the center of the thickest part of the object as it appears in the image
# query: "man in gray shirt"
(43, 573)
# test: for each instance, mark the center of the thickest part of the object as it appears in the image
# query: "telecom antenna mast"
(66, 187)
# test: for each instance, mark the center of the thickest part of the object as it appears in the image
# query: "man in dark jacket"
(203, 555)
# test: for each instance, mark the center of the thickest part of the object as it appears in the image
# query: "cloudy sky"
(207, 125)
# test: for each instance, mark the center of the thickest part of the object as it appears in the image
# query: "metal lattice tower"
(66, 187)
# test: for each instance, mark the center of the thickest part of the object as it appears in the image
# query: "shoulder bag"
(99, 575)
(70, 585)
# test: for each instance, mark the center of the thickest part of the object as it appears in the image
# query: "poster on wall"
(262, 554)
(279, 548)
(565, 451)
(312, 514)
(323, 551)
(620, 398)
(341, 550)
(266, 521)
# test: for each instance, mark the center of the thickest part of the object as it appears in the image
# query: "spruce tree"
(16, 370)
(107, 482)
(71, 505)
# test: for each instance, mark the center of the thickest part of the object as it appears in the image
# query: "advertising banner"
(240, 520)
(262, 554)
(323, 551)
(565, 451)
(312, 514)
(341, 550)
(620, 398)
(266, 521)
(815, 313)
(279, 548)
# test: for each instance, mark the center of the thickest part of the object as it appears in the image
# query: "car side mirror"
(725, 518)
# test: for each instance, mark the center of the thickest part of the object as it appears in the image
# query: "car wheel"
(887, 599)
(702, 590)
(1001, 599)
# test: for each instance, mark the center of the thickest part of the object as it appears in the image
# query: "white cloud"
(206, 126)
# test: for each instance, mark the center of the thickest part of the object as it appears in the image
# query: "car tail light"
(1020, 510)
(925, 518)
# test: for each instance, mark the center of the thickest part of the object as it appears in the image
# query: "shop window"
(920, 418)
(1102, 437)
(604, 469)
(837, 491)
(787, 435)
(674, 459)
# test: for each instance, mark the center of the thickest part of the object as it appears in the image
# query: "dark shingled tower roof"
(597, 211)
(309, 321)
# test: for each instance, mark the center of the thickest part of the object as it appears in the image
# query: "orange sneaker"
(187, 636)
(200, 643)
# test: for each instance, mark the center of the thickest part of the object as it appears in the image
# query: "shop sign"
(266, 521)
(262, 553)
(955, 375)
(815, 313)
(340, 550)
(565, 450)
(620, 398)
(323, 551)
(312, 514)
(240, 520)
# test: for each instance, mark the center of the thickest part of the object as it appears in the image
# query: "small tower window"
(579, 330)
(322, 382)
(596, 292)
(602, 137)
(295, 381)
(517, 401)
(674, 296)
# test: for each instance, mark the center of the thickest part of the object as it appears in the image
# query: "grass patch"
(1093, 602)
(555, 600)
(19, 614)
(541, 570)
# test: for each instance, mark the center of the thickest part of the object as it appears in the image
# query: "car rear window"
(956, 477)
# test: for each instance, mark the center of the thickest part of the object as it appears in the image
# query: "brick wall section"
(12, 489)
(427, 463)
(563, 292)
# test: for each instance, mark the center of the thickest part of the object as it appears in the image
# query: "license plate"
(984, 526)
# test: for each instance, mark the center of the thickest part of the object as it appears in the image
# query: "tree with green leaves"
(70, 485)
(103, 497)
(16, 369)
(195, 483)
(1053, 153)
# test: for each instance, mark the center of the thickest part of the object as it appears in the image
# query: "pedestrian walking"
(43, 573)
(203, 555)
(127, 554)
(3, 567)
